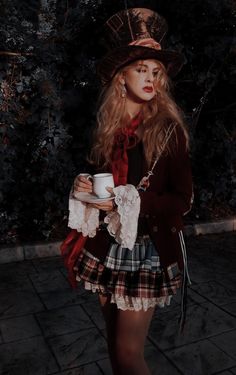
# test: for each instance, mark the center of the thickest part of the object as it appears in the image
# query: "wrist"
(114, 205)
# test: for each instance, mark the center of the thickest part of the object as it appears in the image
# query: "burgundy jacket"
(166, 200)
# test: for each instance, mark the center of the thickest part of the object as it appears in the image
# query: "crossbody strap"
(144, 182)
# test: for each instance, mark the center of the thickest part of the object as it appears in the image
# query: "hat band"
(147, 42)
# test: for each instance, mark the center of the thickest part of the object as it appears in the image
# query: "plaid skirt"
(133, 278)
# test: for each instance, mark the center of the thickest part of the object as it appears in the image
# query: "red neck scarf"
(125, 138)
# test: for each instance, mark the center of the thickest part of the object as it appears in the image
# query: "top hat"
(135, 34)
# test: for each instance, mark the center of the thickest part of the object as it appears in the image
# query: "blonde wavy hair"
(160, 115)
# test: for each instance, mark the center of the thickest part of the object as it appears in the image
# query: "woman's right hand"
(82, 184)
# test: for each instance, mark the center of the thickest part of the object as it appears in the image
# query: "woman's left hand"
(106, 205)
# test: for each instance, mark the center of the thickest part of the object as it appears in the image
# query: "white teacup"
(100, 182)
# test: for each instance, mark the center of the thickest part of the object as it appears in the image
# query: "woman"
(142, 139)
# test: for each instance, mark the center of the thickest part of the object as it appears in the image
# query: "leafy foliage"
(49, 89)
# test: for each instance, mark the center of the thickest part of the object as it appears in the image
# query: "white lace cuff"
(123, 223)
(82, 217)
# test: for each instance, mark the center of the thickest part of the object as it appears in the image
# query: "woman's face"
(140, 80)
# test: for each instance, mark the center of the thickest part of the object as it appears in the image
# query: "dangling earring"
(123, 91)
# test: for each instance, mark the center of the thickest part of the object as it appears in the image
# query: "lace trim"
(123, 223)
(127, 302)
(82, 217)
(137, 304)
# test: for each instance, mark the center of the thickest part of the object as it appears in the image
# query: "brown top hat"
(135, 34)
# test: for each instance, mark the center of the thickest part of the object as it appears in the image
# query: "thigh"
(126, 327)
(109, 310)
(132, 327)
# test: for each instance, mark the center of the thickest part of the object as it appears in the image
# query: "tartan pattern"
(141, 283)
(143, 256)
(173, 270)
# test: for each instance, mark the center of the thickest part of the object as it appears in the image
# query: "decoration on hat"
(135, 34)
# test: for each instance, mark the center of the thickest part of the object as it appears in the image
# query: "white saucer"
(90, 198)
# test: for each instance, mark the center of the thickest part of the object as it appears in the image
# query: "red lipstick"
(148, 89)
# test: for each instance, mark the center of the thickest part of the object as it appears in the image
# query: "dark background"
(48, 96)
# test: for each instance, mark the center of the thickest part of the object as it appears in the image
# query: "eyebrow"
(140, 64)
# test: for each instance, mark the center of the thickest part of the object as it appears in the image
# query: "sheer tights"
(126, 334)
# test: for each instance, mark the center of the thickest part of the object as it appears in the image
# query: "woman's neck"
(133, 108)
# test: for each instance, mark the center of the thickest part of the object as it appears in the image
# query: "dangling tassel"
(184, 293)
(184, 288)
(183, 247)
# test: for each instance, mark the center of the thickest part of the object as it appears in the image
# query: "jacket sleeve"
(178, 199)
